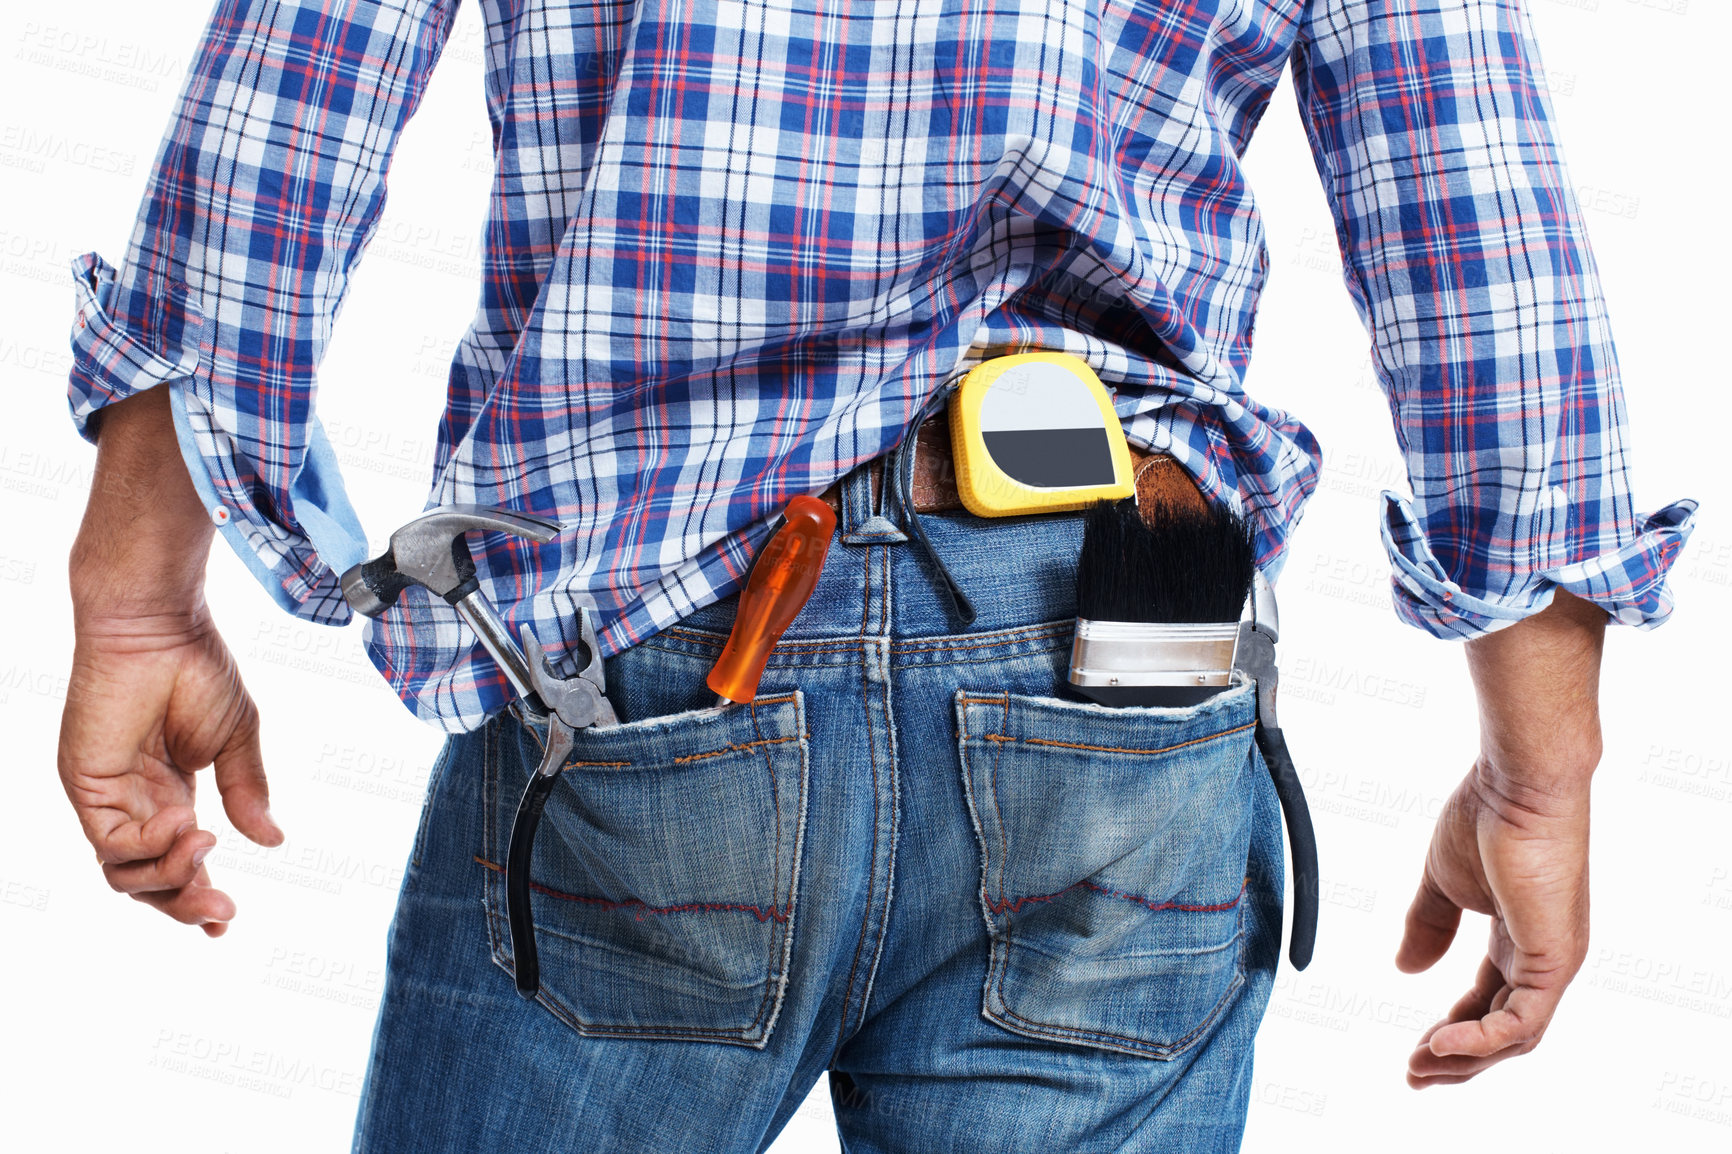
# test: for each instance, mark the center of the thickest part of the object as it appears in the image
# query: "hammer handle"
(498, 642)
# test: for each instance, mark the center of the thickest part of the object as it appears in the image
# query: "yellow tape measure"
(1036, 433)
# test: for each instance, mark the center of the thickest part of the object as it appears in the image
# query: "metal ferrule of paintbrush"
(1153, 653)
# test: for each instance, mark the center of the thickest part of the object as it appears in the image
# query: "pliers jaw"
(579, 701)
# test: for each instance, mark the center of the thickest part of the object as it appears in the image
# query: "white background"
(122, 1026)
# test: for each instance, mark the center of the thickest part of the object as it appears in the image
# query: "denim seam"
(993, 659)
(884, 592)
(1239, 931)
(965, 642)
(911, 653)
(961, 642)
(872, 760)
(872, 862)
(489, 841)
(718, 640)
(732, 747)
(752, 1034)
(797, 645)
(772, 992)
(883, 595)
(786, 944)
(1007, 652)
(661, 1033)
(1005, 739)
(865, 589)
(775, 793)
(995, 959)
(974, 819)
(738, 747)
(998, 806)
(887, 704)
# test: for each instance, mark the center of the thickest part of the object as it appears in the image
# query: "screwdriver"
(782, 579)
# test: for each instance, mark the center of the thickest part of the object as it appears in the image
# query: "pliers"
(573, 703)
(1256, 660)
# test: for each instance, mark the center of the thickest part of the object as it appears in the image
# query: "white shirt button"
(221, 514)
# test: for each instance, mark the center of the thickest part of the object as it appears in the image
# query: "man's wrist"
(142, 546)
(1538, 689)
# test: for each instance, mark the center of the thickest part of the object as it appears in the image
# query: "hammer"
(433, 551)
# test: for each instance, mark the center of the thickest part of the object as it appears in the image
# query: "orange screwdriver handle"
(782, 579)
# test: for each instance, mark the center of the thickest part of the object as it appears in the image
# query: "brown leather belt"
(1160, 480)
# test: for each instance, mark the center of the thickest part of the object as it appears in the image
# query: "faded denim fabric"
(1002, 920)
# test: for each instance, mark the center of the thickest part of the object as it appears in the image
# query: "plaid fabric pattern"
(733, 245)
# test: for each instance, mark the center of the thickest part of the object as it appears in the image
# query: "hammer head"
(433, 551)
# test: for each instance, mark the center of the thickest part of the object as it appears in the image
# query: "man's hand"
(154, 694)
(1513, 842)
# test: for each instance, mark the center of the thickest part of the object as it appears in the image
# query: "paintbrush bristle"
(1167, 563)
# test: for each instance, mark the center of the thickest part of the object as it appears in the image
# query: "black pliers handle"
(573, 703)
(1256, 659)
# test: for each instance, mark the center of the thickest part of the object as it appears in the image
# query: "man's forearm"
(145, 537)
(1538, 686)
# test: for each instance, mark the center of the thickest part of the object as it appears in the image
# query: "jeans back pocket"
(665, 870)
(1114, 846)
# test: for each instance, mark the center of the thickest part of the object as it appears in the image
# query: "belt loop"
(856, 503)
(860, 523)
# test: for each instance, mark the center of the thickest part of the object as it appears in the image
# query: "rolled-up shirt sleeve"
(1465, 252)
(268, 184)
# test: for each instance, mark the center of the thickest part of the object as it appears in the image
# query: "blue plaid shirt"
(734, 244)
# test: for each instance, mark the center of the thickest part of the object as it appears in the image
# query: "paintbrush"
(1164, 601)
(1160, 593)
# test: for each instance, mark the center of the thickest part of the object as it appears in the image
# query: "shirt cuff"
(108, 363)
(1628, 582)
(298, 569)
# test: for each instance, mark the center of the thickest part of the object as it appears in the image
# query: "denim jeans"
(1002, 920)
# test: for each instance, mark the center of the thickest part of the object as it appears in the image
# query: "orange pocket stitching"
(1119, 749)
(739, 747)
